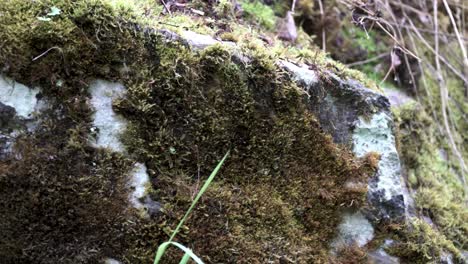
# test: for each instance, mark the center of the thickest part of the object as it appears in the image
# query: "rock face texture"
(145, 121)
(386, 188)
(355, 116)
(18, 104)
(109, 127)
(18, 96)
(359, 117)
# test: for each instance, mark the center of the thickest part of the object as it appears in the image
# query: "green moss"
(262, 14)
(438, 191)
(61, 200)
(185, 110)
(197, 106)
(421, 243)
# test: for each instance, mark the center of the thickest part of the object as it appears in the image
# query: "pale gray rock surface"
(109, 128)
(18, 105)
(20, 97)
(385, 190)
(354, 229)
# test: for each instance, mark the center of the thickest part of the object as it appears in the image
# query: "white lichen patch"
(139, 183)
(301, 73)
(198, 41)
(18, 96)
(396, 97)
(110, 127)
(354, 229)
(111, 261)
(109, 124)
(376, 135)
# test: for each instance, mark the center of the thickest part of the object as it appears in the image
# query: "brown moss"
(281, 191)
(352, 254)
(278, 197)
(59, 202)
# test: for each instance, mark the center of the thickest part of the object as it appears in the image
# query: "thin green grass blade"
(200, 193)
(185, 259)
(160, 253)
(188, 253)
(187, 256)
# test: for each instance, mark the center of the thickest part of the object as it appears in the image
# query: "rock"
(139, 182)
(359, 118)
(111, 261)
(381, 257)
(343, 109)
(385, 191)
(288, 30)
(199, 41)
(301, 73)
(7, 114)
(17, 105)
(110, 126)
(397, 98)
(18, 96)
(105, 120)
(354, 229)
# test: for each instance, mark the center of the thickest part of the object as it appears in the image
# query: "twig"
(166, 7)
(324, 36)
(47, 51)
(430, 48)
(460, 42)
(443, 98)
(357, 63)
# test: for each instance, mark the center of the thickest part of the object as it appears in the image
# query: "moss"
(198, 105)
(421, 243)
(185, 110)
(262, 14)
(61, 200)
(352, 254)
(439, 193)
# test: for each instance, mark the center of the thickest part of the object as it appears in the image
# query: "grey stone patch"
(381, 257)
(288, 29)
(19, 106)
(446, 258)
(7, 115)
(139, 182)
(397, 98)
(199, 41)
(111, 261)
(354, 229)
(301, 74)
(152, 207)
(385, 191)
(109, 127)
(340, 104)
(20, 97)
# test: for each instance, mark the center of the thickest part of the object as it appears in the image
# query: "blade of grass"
(202, 190)
(185, 259)
(162, 248)
(188, 253)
